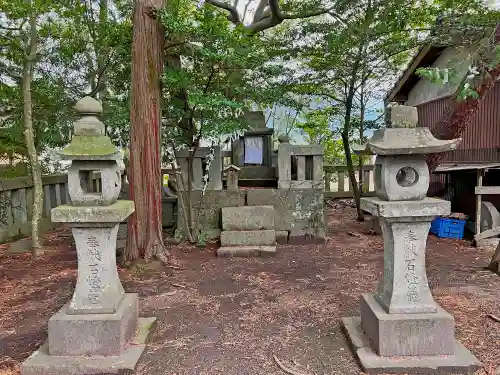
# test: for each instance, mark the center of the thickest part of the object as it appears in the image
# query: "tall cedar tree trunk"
(458, 114)
(29, 133)
(145, 225)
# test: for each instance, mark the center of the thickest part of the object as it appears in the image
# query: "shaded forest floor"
(230, 316)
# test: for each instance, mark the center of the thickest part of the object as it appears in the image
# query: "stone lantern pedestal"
(99, 331)
(401, 328)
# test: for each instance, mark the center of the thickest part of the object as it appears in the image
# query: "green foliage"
(83, 47)
(320, 127)
(220, 70)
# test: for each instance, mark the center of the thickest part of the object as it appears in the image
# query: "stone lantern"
(232, 172)
(97, 331)
(402, 328)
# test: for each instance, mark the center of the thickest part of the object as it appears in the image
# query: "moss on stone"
(90, 145)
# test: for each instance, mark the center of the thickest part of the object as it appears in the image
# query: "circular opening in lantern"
(407, 177)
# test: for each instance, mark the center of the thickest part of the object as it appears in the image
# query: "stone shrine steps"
(247, 231)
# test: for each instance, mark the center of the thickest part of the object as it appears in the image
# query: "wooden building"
(479, 152)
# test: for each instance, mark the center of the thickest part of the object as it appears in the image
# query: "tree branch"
(275, 10)
(234, 16)
(263, 21)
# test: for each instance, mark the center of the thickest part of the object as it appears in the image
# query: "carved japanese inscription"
(410, 255)
(94, 281)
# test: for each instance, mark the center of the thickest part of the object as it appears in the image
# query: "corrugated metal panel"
(481, 139)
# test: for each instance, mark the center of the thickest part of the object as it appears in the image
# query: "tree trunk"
(145, 225)
(352, 177)
(361, 136)
(347, 151)
(29, 133)
(345, 142)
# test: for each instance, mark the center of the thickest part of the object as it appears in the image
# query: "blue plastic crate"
(448, 228)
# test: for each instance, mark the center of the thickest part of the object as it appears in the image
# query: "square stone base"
(423, 334)
(246, 251)
(462, 361)
(42, 363)
(93, 334)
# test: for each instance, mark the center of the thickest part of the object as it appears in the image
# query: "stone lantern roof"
(408, 141)
(89, 140)
(402, 136)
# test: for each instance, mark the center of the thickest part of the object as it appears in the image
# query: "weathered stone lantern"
(97, 331)
(232, 172)
(402, 328)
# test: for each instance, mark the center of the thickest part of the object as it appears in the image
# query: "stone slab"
(246, 251)
(114, 213)
(248, 218)
(207, 209)
(461, 362)
(42, 363)
(426, 334)
(293, 209)
(286, 199)
(301, 150)
(248, 238)
(426, 208)
(93, 334)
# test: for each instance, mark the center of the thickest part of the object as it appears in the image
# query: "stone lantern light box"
(401, 172)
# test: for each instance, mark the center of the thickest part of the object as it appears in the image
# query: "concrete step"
(248, 238)
(246, 251)
(248, 218)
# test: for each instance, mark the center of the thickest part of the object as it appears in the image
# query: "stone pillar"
(199, 160)
(99, 331)
(306, 179)
(232, 177)
(402, 328)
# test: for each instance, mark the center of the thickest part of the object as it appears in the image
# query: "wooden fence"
(338, 184)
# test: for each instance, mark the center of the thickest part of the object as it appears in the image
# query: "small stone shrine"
(99, 331)
(401, 328)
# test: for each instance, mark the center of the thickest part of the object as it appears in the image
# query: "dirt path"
(230, 316)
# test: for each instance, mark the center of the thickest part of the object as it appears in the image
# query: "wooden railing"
(338, 184)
